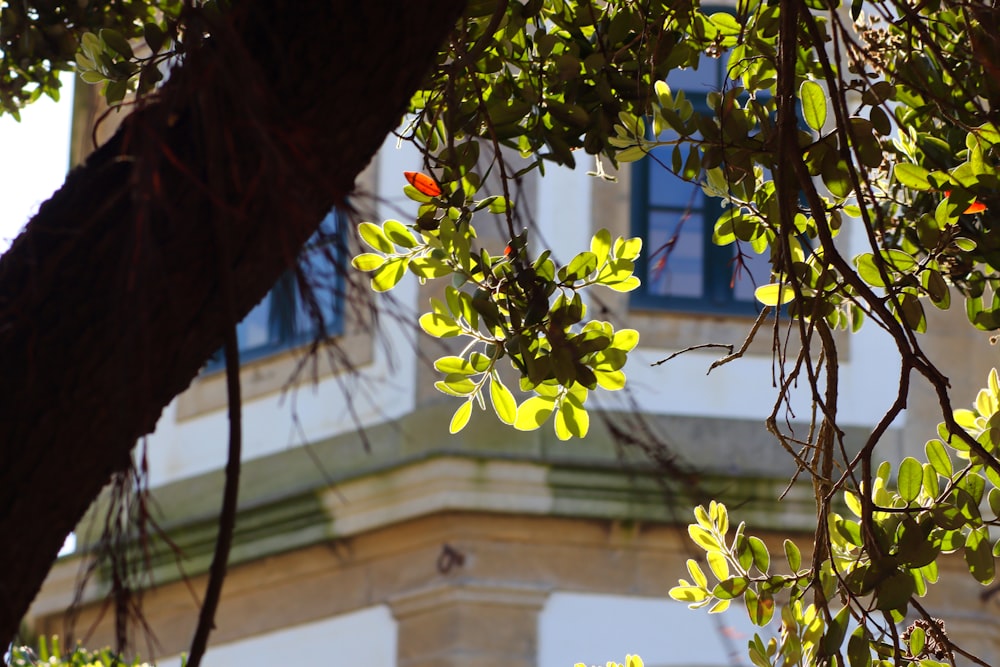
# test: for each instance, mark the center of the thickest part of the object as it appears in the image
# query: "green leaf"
(868, 270)
(416, 195)
(894, 592)
(503, 401)
(610, 380)
(697, 574)
(397, 232)
(718, 564)
(730, 588)
(628, 249)
(859, 652)
(625, 340)
(389, 274)
(497, 204)
(761, 558)
(918, 639)
(979, 555)
(457, 389)
(910, 478)
(743, 552)
(373, 236)
(688, 594)
(938, 457)
(533, 413)
(572, 420)
(718, 608)
(793, 556)
(993, 498)
(461, 417)
(912, 312)
(429, 267)
(774, 294)
(154, 36)
(626, 285)
(836, 632)
(912, 176)
(703, 538)
(600, 246)
(931, 487)
(760, 608)
(631, 154)
(582, 265)
(452, 364)
(438, 325)
(367, 261)
(813, 104)
(116, 42)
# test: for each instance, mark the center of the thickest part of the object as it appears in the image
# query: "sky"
(34, 158)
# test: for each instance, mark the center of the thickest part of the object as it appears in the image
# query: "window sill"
(268, 375)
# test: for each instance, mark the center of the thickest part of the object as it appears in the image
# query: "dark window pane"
(700, 81)
(252, 331)
(756, 272)
(284, 318)
(666, 188)
(676, 247)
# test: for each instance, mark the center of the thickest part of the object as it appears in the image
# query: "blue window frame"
(681, 269)
(284, 318)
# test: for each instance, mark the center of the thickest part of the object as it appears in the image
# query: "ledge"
(269, 375)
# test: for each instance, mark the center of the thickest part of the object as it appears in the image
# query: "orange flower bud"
(423, 183)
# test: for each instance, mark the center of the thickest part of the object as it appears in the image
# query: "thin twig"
(724, 346)
(746, 342)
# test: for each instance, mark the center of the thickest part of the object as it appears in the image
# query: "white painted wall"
(594, 629)
(366, 637)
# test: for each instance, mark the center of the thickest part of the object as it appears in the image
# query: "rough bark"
(110, 300)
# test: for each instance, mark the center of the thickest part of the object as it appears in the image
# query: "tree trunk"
(110, 300)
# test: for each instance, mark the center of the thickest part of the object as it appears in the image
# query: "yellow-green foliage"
(50, 653)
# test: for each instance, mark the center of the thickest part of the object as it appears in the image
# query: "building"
(404, 546)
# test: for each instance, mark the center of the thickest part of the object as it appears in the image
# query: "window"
(284, 318)
(681, 269)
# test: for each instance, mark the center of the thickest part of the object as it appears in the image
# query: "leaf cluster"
(881, 560)
(51, 653)
(39, 39)
(526, 309)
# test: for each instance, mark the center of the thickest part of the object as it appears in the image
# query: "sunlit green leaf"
(453, 364)
(697, 574)
(910, 478)
(368, 261)
(438, 325)
(761, 557)
(533, 413)
(730, 588)
(979, 555)
(688, 594)
(572, 420)
(600, 246)
(813, 104)
(373, 236)
(389, 274)
(703, 538)
(792, 555)
(718, 564)
(503, 402)
(461, 417)
(774, 294)
(938, 457)
(397, 232)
